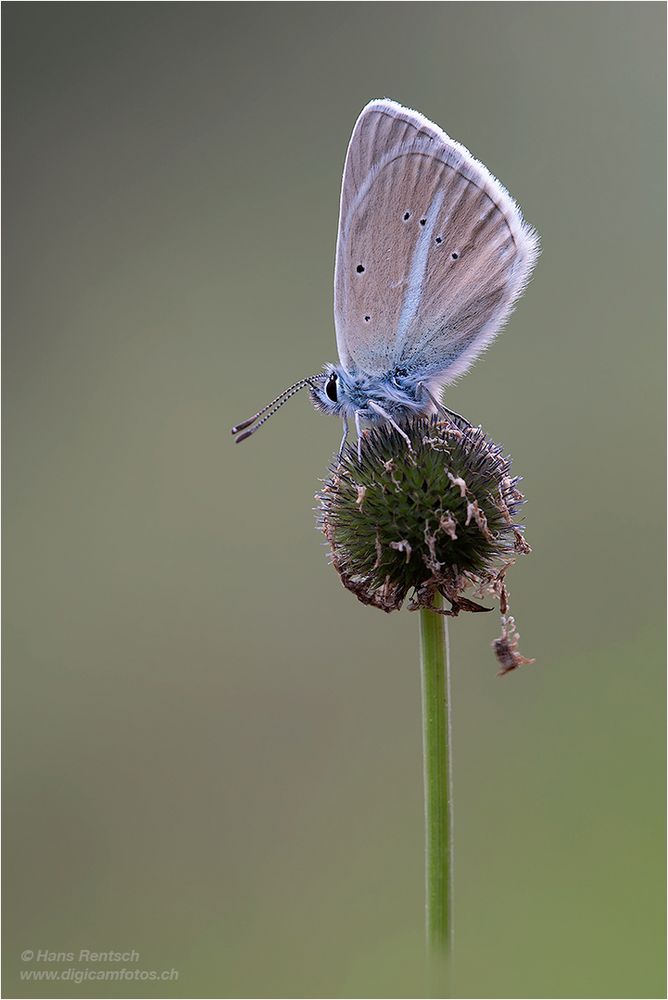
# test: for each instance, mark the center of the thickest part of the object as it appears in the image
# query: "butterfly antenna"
(270, 409)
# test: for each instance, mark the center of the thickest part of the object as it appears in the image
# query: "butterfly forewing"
(431, 254)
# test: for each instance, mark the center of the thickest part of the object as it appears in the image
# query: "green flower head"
(430, 512)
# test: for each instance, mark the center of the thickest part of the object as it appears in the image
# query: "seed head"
(437, 515)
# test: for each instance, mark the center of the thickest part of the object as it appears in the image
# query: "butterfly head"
(330, 392)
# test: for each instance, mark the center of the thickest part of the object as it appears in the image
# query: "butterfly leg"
(381, 411)
(439, 406)
(345, 435)
(358, 428)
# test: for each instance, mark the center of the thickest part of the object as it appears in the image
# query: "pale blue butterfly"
(432, 253)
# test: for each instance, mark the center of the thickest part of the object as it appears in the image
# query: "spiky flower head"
(430, 512)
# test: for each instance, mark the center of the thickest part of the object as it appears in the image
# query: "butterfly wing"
(432, 251)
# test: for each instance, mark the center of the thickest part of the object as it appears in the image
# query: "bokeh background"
(212, 752)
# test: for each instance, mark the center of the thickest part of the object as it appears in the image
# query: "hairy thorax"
(397, 394)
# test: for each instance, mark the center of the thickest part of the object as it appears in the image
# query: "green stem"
(435, 664)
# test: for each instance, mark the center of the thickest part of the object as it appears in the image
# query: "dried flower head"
(435, 516)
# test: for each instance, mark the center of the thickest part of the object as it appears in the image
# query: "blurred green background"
(212, 752)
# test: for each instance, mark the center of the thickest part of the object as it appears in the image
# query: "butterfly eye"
(330, 388)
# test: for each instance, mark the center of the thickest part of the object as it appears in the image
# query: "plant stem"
(435, 666)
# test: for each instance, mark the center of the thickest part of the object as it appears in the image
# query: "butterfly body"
(432, 253)
(346, 394)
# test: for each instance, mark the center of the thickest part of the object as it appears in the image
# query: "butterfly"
(432, 253)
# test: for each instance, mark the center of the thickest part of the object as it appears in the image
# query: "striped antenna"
(261, 417)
